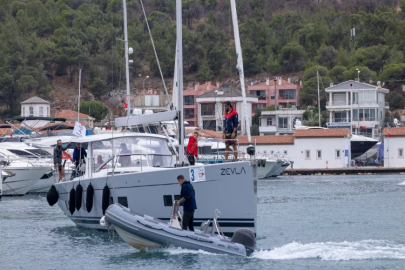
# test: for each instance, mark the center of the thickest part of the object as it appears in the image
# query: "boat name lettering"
(230, 171)
(233, 247)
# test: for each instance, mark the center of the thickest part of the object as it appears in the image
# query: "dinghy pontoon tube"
(142, 231)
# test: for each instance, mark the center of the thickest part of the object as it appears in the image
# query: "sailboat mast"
(78, 99)
(319, 103)
(239, 67)
(124, 10)
(179, 47)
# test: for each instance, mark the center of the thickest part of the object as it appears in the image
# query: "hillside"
(46, 42)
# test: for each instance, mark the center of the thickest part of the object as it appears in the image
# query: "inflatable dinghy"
(142, 231)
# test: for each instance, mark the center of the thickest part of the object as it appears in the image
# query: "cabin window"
(337, 153)
(167, 200)
(307, 154)
(400, 152)
(318, 154)
(269, 122)
(123, 201)
(31, 111)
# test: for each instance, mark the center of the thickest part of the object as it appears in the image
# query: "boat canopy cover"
(23, 118)
(145, 119)
(107, 136)
(56, 127)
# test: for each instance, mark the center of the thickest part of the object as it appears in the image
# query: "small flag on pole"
(124, 105)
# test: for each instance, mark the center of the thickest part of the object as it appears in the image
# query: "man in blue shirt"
(188, 197)
(79, 155)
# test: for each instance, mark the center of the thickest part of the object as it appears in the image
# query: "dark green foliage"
(95, 109)
(41, 39)
(254, 130)
(256, 117)
(396, 101)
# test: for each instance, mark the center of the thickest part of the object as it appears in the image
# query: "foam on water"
(401, 184)
(179, 251)
(332, 251)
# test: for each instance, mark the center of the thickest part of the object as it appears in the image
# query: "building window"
(286, 94)
(188, 113)
(208, 109)
(31, 111)
(260, 106)
(269, 122)
(283, 122)
(307, 154)
(337, 153)
(285, 152)
(400, 152)
(188, 100)
(23, 114)
(318, 154)
(47, 111)
(209, 124)
(41, 111)
(273, 97)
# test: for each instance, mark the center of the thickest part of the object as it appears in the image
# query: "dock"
(343, 171)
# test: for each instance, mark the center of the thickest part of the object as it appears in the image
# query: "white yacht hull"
(273, 168)
(23, 180)
(44, 184)
(231, 188)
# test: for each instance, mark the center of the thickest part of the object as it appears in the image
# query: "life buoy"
(79, 196)
(52, 196)
(106, 198)
(89, 197)
(72, 199)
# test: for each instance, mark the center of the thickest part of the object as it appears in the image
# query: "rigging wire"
(154, 49)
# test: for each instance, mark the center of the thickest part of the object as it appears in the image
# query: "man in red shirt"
(192, 148)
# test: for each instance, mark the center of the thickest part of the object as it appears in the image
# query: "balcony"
(189, 116)
(261, 97)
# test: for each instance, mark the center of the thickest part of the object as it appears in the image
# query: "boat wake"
(179, 251)
(401, 184)
(332, 251)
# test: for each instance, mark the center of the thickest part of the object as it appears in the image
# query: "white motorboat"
(28, 166)
(142, 231)
(145, 178)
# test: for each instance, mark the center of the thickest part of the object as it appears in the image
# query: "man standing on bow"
(230, 130)
(188, 197)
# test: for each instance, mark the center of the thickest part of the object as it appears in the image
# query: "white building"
(36, 107)
(309, 149)
(394, 146)
(279, 122)
(211, 108)
(359, 106)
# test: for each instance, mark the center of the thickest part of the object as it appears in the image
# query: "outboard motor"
(245, 237)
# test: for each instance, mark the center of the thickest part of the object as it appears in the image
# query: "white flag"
(79, 130)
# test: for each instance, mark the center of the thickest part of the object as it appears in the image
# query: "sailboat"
(140, 172)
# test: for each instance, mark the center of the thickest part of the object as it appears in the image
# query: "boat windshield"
(133, 152)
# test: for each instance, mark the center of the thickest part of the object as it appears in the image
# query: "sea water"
(304, 222)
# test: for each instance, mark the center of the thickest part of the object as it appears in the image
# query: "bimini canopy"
(107, 136)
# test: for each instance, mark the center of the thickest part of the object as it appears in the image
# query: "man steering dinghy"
(188, 197)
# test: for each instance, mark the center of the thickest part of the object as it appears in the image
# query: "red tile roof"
(394, 132)
(205, 133)
(69, 114)
(267, 140)
(322, 133)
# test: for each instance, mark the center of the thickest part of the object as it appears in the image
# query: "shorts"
(191, 159)
(59, 167)
(229, 140)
